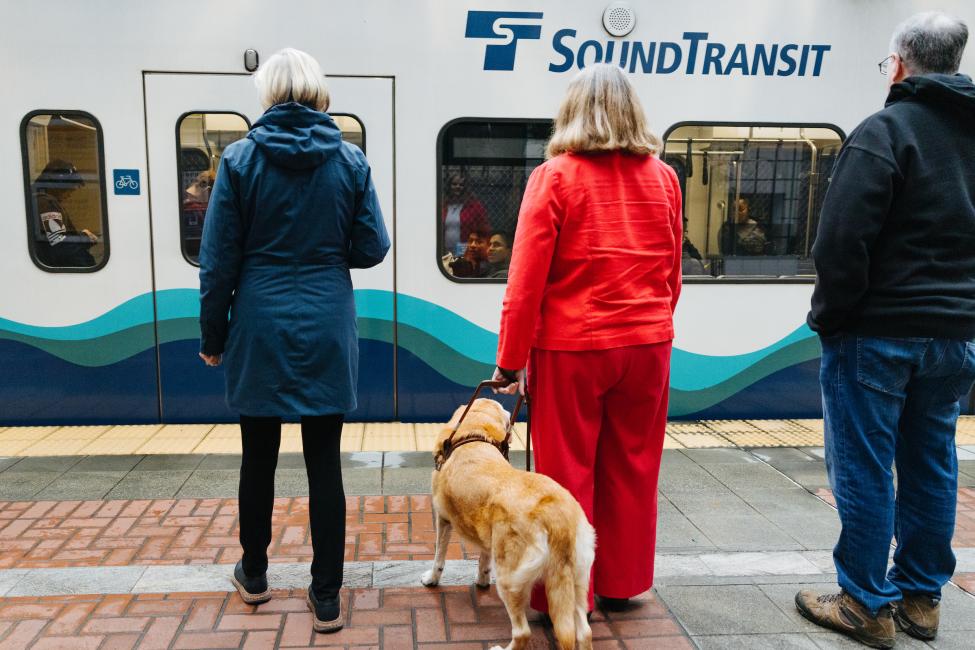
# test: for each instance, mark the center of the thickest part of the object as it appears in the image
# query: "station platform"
(382, 436)
(124, 537)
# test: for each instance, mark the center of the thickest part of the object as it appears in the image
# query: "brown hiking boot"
(918, 615)
(842, 613)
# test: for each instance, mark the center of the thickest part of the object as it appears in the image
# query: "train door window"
(352, 129)
(200, 141)
(63, 158)
(483, 167)
(752, 195)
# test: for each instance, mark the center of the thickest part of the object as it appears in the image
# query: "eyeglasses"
(883, 65)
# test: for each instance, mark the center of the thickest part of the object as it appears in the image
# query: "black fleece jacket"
(895, 249)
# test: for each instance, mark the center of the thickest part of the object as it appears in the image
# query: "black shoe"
(613, 604)
(253, 591)
(327, 612)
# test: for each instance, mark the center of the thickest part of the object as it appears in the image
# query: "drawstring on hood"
(952, 89)
(295, 136)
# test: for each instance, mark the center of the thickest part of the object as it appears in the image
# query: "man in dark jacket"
(894, 306)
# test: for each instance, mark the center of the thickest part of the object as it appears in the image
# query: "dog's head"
(486, 418)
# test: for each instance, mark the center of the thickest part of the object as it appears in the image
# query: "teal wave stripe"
(132, 313)
(455, 347)
(172, 304)
(694, 372)
(452, 330)
(685, 402)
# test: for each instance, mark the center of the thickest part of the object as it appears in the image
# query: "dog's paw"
(497, 647)
(430, 579)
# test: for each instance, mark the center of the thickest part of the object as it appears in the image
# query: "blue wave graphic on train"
(441, 356)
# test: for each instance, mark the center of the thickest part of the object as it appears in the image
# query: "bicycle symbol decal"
(126, 181)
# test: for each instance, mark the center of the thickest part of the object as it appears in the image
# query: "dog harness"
(504, 446)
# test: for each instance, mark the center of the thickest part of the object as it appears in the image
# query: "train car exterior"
(115, 118)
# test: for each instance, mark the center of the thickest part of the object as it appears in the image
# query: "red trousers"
(598, 421)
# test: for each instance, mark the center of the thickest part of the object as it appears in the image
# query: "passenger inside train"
(749, 191)
(741, 234)
(462, 214)
(196, 198)
(499, 254)
(58, 241)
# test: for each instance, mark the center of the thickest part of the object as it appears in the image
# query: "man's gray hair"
(930, 42)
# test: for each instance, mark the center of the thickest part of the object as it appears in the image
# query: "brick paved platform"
(740, 531)
(48, 534)
(447, 617)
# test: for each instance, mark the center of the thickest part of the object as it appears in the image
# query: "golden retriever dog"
(527, 525)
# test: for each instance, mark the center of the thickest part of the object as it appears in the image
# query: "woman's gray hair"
(930, 42)
(292, 76)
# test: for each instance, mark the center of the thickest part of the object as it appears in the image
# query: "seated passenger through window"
(744, 235)
(473, 263)
(58, 243)
(499, 254)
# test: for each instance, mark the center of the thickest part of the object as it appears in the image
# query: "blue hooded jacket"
(292, 210)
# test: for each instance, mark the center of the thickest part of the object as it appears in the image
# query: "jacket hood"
(295, 136)
(945, 89)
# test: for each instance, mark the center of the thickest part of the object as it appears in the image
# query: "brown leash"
(503, 446)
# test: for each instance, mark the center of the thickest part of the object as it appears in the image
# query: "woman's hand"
(512, 386)
(211, 359)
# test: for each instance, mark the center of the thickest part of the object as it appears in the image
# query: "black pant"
(320, 436)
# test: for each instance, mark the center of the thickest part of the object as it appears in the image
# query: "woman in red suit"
(589, 306)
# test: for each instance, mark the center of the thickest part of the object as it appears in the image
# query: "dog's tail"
(567, 586)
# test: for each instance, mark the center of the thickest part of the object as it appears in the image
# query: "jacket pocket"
(886, 364)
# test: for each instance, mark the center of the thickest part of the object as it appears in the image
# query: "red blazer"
(596, 259)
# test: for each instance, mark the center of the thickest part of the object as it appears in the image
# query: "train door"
(190, 120)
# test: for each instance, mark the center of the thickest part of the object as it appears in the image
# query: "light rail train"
(115, 118)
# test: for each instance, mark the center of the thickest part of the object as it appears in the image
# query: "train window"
(63, 157)
(200, 141)
(483, 166)
(352, 130)
(752, 195)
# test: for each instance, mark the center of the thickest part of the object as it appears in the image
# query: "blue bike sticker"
(126, 181)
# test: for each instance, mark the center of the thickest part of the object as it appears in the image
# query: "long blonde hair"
(601, 112)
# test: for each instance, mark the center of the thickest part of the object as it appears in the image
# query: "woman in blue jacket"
(292, 210)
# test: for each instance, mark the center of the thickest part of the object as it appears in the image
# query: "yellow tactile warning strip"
(383, 436)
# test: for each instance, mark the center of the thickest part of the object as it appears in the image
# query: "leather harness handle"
(522, 399)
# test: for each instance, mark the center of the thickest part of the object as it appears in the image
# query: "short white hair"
(930, 42)
(292, 76)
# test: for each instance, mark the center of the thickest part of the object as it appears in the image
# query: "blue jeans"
(887, 402)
